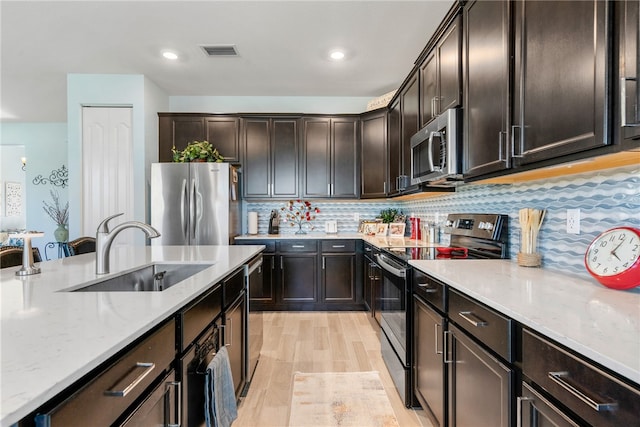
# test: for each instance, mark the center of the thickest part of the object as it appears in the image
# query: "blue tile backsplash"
(606, 199)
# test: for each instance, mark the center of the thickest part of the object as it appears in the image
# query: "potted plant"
(390, 215)
(197, 151)
(60, 215)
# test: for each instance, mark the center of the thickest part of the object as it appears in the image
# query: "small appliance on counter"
(331, 227)
(274, 222)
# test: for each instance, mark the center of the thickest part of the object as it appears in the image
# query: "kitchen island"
(51, 337)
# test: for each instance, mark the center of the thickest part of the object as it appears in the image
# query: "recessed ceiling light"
(170, 55)
(336, 55)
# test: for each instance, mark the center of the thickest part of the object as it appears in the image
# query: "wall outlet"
(573, 221)
(356, 216)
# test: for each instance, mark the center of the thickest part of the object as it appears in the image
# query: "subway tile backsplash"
(606, 199)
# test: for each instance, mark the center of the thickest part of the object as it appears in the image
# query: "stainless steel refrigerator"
(195, 203)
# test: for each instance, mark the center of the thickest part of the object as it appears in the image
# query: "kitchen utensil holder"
(529, 260)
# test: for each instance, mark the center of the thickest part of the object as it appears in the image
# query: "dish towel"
(220, 408)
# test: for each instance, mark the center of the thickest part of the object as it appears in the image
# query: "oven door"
(393, 304)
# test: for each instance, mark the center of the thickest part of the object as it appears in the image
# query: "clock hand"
(614, 254)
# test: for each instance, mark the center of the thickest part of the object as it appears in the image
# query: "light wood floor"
(314, 342)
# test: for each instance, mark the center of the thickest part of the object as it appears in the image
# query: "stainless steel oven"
(394, 312)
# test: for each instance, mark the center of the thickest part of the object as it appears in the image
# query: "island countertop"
(600, 323)
(51, 338)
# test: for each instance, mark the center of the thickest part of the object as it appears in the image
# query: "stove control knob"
(488, 226)
(482, 225)
(449, 223)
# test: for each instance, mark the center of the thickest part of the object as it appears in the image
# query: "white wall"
(269, 104)
(112, 90)
(45, 147)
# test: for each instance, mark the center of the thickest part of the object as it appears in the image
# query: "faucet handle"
(103, 227)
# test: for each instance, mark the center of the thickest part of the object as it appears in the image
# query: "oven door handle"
(398, 272)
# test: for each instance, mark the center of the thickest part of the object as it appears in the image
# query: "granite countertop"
(51, 338)
(600, 323)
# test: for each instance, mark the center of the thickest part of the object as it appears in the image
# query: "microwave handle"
(430, 149)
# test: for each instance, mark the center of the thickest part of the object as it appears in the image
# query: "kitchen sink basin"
(152, 278)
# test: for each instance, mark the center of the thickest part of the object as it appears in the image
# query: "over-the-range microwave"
(436, 151)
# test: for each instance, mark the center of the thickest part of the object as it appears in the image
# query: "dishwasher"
(254, 274)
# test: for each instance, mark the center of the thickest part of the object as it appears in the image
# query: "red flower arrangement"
(299, 212)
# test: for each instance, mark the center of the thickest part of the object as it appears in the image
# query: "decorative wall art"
(57, 177)
(13, 198)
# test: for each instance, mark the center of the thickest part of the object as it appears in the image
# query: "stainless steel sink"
(152, 278)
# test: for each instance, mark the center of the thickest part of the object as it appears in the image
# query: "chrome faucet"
(104, 238)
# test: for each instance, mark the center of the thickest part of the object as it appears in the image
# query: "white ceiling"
(283, 47)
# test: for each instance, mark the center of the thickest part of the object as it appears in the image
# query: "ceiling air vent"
(220, 50)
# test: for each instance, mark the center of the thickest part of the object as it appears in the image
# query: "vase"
(300, 230)
(61, 233)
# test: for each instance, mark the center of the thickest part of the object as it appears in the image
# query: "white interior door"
(107, 168)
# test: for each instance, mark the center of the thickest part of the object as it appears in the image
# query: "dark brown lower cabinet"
(536, 411)
(430, 369)
(160, 408)
(480, 385)
(308, 274)
(298, 277)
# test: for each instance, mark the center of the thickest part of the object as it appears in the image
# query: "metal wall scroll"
(57, 177)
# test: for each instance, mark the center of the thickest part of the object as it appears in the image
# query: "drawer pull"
(477, 322)
(425, 287)
(563, 380)
(337, 246)
(147, 368)
(298, 246)
(520, 401)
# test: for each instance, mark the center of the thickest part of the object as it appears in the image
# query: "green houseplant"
(197, 151)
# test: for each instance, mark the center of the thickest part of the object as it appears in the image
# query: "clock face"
(613, 252)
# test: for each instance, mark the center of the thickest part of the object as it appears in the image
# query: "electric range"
(473, 236)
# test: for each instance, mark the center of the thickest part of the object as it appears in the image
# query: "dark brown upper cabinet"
(330, 157)
(394, 142)
(223, 133)
(486, 87)
(560, 79)
(270, 157)
(409, 125)
(178, 129)
(628, 83)
(441, 74)
(374, 164)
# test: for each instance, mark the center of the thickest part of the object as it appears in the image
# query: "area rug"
(340, 399)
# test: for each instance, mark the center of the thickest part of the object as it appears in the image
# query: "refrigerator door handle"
(192, 209)
(183, 208)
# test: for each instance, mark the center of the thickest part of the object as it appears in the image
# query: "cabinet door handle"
(329, 189)
(501, 150)
(445, 347)
(513, 142)
(623, 104)
(384, 187)
(281, 265)
(563, 380)
(425, 287)
(475, 321)
(520, 400)
(273, 263)
(323, 262)
(177, 403)
(436, 338)
(147, 367)
(230, 324)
